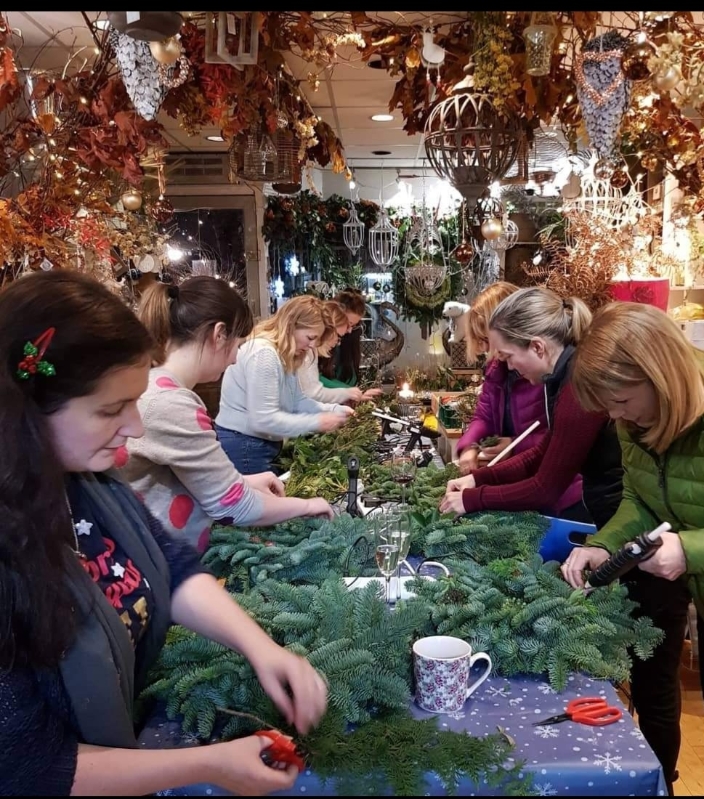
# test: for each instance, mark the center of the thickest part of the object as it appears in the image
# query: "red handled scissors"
(591, 710)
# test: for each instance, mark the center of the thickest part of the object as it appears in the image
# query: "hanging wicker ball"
(469, 144)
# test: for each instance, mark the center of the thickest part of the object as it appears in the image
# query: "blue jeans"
(250, 455)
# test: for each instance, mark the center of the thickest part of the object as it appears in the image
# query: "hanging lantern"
(132, 200)
(225, 30)
(353, 231)
(383, 241)
(468, 143)
(540, 36)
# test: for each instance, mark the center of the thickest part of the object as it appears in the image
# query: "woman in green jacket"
(635, 364)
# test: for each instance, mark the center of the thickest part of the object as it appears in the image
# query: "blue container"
(556, 544)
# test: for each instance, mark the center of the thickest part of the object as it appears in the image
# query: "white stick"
(515, 442)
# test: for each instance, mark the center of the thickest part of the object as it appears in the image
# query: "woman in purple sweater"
(507, 406)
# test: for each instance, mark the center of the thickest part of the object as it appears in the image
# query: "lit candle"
(405, 392)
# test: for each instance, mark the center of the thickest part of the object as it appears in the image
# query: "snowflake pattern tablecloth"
(567, 759)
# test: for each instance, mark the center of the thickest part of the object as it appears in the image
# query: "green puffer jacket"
(665, 488)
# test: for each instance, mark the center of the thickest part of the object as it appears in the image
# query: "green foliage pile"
(423, 494)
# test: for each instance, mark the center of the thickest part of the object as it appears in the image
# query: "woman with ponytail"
(536, 333)
(89, 581)
(178, 465)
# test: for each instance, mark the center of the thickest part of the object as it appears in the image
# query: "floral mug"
(441, 665)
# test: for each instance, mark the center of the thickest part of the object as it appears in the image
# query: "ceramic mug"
(441, 665)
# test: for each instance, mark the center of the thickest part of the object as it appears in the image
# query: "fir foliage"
(423, 494)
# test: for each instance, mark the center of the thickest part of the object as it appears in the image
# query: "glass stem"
(388, 589)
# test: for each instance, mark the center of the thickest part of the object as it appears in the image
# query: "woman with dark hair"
(89, 580)
(341, 368)
(178, 465)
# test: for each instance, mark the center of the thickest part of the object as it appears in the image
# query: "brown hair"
(295, 314)
(476, 320)
(334, 316)
(537, 312)
(629, 344)
(352, 300)
(189, 312)
(95, 333)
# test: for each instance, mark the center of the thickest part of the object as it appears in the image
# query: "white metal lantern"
(353, 231)
(383, 241)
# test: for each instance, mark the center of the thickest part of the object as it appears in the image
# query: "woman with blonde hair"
(178, 466)
(536, 333)
(636, 365)
(261, 402)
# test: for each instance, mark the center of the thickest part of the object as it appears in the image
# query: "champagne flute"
(403, 471)
(386, 559)
(399, 532)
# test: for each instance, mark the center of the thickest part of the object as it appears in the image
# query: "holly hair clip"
(33, 362)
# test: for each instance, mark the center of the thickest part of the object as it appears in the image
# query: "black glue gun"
(629, 556)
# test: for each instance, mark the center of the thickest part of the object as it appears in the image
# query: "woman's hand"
(237, 767)
(295, 687)
(319, 507)
(459, 484)
(327, 422)
(267, 483)
(668, 561)
(580, 559)
(489, 453)
(452, 503)
(354, 394)
(371, 393)
(468, 460)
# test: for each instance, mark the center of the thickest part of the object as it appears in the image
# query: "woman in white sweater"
(261, 402)
(178, 466)
(337, 325)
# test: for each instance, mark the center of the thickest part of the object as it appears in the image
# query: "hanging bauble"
(650, 162)
(386, 288)
(463, 252)
(636, 57)
(465, 291)
(132, 200)
(135, 274)
(604, 168)
(492, 228)
(162, 210)
(698, 206)
(167, 52)
(376, 285)
(667, 79)
(573, 188)
(619, 179)
(166, 277)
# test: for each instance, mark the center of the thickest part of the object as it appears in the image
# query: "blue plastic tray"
(556, 544)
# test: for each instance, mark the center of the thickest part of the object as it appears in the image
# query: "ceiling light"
(215, 138)
(381, 152)
(101, 24)
(382, 118)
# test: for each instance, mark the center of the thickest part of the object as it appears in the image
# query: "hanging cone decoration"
(140, 74)
(602, 89)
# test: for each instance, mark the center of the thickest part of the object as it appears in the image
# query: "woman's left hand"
(294, 686)
(452, 503)
(267, 483)
(669, 560)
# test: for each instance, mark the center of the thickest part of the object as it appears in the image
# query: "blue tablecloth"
(567, 759)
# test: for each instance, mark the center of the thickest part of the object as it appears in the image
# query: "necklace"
(77, 549)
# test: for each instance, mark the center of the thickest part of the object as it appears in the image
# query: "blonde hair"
(629, 344)
(334, 316)
(476, 320)
(298, 313)
(536, 312)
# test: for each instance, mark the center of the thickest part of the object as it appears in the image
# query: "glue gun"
(629, 556)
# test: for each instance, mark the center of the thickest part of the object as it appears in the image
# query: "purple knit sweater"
(526, 404)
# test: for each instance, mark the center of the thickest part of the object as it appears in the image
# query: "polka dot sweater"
(179, 468)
